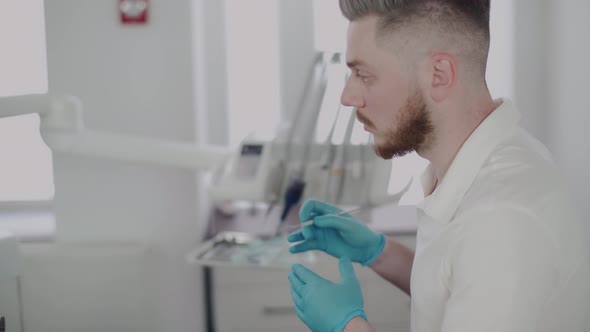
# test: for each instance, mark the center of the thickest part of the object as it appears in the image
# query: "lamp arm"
(27, 104)
(63, 131)
(97, 144)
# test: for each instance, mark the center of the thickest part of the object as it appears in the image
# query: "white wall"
(132, 80)
(500, 65)
(211, 72)
(531, 28)
(23, 63)
(568, 92)
(551, 89)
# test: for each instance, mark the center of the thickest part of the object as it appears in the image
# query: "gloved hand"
(325, 306)
(339, 236)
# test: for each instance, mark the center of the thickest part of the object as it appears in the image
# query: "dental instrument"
(292, 197)
(339, 214)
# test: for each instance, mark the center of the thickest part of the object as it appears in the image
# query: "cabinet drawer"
(241, 277)
(259, 299)
(404, 327)
(325, 265)
(255, 307)
(265, 302)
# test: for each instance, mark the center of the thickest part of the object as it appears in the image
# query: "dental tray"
(238, 249)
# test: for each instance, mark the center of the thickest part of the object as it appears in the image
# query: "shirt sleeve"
(502, 273)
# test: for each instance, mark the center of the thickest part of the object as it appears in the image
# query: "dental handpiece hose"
(292, 197)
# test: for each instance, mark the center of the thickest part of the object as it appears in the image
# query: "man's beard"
(413, 130)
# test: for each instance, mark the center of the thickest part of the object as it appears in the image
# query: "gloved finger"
(296, 297)
(300, 313)
(304, 274)
(304, 246)
(346, 270)
(335, 222)
(308, 233)
(313, 207)
(296, 236)
(296, 283)
(297, 301)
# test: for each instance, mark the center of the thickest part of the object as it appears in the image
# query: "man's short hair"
(463, 24)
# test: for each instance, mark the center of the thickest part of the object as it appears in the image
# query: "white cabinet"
(10, 277)
(253, 299)
(10, 314)
(259, 299)
(250, 299)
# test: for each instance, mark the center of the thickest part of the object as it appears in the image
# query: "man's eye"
(362, 76)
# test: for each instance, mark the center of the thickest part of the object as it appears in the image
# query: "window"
(330, 26)
(253, 68)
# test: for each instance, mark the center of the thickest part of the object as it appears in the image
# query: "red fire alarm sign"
(133, 11)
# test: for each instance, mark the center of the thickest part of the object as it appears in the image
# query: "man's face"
(385, 94)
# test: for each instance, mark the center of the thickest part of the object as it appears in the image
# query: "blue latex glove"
(325, 306)
(339, 236)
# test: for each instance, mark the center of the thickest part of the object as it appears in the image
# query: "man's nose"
(351, 96)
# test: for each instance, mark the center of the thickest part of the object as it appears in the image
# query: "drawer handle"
(278, 310)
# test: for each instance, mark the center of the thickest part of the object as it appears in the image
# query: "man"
(499, 247)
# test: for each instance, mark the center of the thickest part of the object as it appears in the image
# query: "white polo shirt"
(499, 245)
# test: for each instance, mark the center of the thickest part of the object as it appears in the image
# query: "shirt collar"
(442, 204)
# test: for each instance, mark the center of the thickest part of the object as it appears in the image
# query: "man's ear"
(444, 76)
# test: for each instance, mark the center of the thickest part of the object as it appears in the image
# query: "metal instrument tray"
(238, 249)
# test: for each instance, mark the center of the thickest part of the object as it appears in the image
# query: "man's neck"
(459, 123)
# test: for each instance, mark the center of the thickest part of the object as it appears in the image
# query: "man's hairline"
(383, 37)
(380, 37)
